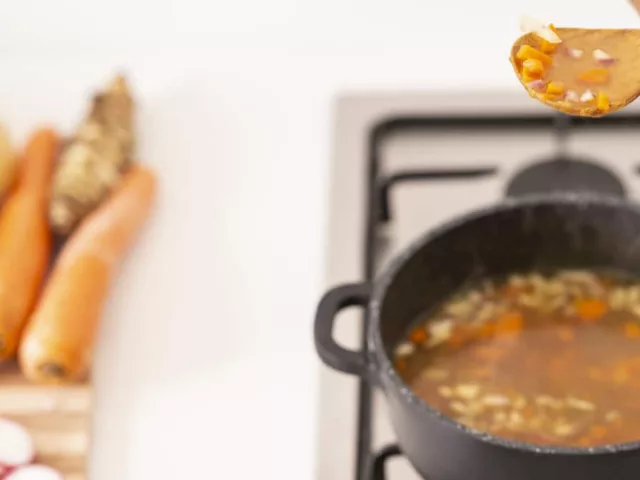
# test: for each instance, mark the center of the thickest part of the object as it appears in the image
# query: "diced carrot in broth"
(527, 51)
(590, 309)
(510, 322)
(596, 76)
(533, 67)
(602, 102)
(555, 88)
(418, 336)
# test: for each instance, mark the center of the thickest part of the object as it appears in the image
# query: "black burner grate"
(378, 461)
(561, 174)
(379, 188)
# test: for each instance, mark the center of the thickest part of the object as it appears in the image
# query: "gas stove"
(405, 164)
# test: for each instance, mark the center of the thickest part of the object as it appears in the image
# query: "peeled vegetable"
(8, 162)
(93, 161)
(16, 445)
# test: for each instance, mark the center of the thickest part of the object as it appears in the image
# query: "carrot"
(590, 309)
(25, 239)
(418, 335)
(602, 102)
(510, 322)
(598, 76)
(58, 342)
(548, 47)
(533, 67)
(527, 51)
(555, 88)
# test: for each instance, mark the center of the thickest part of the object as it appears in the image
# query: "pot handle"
(332, 354)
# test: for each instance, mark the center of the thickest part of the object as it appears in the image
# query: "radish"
(4, 471)
(34, 472)
(16, 444)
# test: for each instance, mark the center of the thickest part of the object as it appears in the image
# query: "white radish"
(35, 472)
(16, 444)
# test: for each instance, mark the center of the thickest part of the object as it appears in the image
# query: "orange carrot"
(548, 47)
(526, 52)
(510, 322)
(58, 342)
(597, 76)
(418, 335)
(25, 239)
(590, 309)
(555, 88)
(533, 67)
(602, 102)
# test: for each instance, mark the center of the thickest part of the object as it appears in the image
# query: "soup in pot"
(548, 360)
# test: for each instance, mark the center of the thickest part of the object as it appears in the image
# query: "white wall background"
(206, 368)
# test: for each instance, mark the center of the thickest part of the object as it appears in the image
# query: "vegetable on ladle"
(598, 69)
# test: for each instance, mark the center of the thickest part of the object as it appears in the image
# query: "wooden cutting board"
(59, 418)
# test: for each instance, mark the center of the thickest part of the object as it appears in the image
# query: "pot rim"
(384, 365)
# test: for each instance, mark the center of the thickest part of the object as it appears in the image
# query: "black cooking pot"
(534, 233)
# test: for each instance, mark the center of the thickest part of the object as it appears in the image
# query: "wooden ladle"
(591, 72)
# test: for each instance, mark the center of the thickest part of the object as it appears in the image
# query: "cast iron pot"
(534, 233)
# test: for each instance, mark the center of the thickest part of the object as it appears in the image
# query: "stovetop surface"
(416, 206)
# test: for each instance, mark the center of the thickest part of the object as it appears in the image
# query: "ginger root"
(93, 161)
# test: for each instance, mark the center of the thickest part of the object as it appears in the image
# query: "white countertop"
(207, 368)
